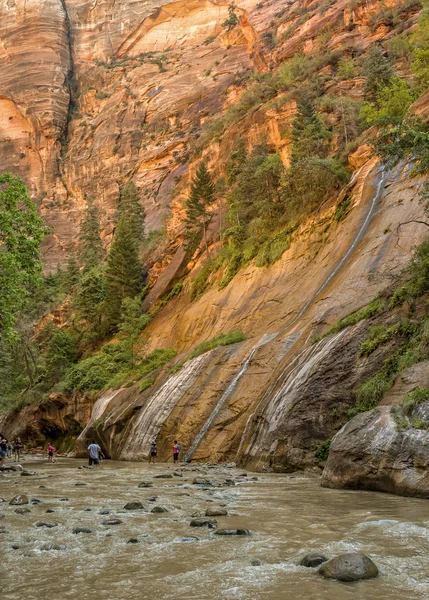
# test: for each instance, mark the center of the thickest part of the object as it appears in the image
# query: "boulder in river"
(47, 547)
(216, 512)
(145, 484)
(312, 560)
(22, 511)
(373, 450)
(164, 476)
(77, 530)
(18, 500)
(159, 509)
(134, 506)
(133, 540)
(25, 473)
(112, 522)
(16, 468)
(232, 532)
(210, 523)
(349, 567)
(201, 481)
(47, 524)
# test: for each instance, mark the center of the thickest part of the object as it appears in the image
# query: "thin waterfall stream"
(269, 337)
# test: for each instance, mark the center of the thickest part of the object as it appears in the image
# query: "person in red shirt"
(51, 451)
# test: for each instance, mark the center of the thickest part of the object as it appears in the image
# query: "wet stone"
(16, 468)
(15, 546)
(18, 500)
(158, 509)
(48, 547)
(312, 560)
(232, 532)
(80, 484)
(153, 498)
(201, 481)
(43, 487)
(133, 540)
(134, 506)
(22, 511)
(50, 510)
(104, 511)
(112, 522)
(87, 509)
(63, 499)
(28, 473)
(47, 524)
(77, 530)
(186, 540)
(210, 523)
(164, 476)
(35, 501)
(256, 562)
(145, 484)
(216, 512)
(349, 567)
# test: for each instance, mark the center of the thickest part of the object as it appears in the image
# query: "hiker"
(152, 453)
(18, 446)
(3, 450)
(176, 449)
(51, 452)
(94, 453)
(9, 449)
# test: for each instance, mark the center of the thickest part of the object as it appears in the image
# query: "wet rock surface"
(312, 560)
(349, 567)
(373, 450)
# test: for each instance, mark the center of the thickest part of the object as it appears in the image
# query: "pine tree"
(70, 276)
(198, 218)
(132, 210)
(232, 20)
(123, 272)
(378, 72)
(91, 251)
(309, 136)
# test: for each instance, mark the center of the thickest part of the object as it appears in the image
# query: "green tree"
(309, 136)
(232, 20)
(377, 71)
(90, 297)
(132, 210)
(70, 276)
(123, 271)
(60, 353)
(21, 233)
(198, 217)
(91, 251)
(133, 321)
(420, 48)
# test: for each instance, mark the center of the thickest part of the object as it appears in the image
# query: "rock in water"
(232, 532)
(134, 506)
(210, 523)
(313, 560)
(81, 530)
(159, 509)
(349, 567)
(145, 484)
(112, 522)
(28, 473)
(47, 524)
(22, 511)
(216, 512)
(164, 476)
(17, 468)
(133, 540)
(18, 500)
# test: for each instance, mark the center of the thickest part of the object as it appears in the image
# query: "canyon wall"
(94, 94)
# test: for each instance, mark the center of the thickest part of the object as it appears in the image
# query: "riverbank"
(287, 516)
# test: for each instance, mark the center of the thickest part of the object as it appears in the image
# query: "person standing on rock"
(176, 450)
(152, 454)
(94, 453)
(51, 452)
(18, 446)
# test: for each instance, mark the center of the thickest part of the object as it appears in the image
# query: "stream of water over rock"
(288, 515)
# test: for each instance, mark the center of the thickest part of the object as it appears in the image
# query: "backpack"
(179, 447)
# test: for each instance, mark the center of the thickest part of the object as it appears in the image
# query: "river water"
(287, 516)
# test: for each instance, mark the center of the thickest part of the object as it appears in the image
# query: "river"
(288, 515)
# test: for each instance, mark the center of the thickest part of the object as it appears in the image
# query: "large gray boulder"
(382, 450)
(349, 567)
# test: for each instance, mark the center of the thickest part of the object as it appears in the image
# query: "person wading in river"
(18, 449)
(3, 451)
(51, 452)
(152, 454)
(94, 453)
(176, 450)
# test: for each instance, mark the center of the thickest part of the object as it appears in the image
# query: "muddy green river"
(288, 516)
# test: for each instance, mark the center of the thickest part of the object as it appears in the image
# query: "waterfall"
(159, 406)
(267, 338)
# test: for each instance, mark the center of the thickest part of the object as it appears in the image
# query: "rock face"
(349, 567)
(381, 450)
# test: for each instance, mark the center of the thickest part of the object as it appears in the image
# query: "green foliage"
(132, 323)
(90, 296)
(21, 233)
(146, 384)
(123, 271)
(91, 252)
(61, 352)
(273, 249)
(377, 71)
(322, 450)
(420, 46)
(378, 335)
(342, 209)
(364, 313)
(232, 20)
(346, 68)
(309, 136)
(391, 104)
(132, 211)
(369, 393)
(413, 399)
(198, 216)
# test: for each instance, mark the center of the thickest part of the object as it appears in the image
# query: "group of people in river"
(177, 449)
(7, 448)
(95, 454)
